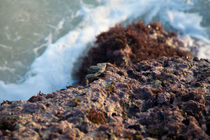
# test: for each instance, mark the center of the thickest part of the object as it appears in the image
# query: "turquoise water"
(41, 40)
(28, 26)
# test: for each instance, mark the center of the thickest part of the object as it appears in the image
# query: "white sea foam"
(51, 71)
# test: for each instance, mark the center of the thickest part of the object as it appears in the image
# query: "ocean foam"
(51, 71)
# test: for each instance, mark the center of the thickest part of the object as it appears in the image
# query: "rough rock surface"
(166, 98)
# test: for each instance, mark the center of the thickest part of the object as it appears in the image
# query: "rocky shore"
(136, 83)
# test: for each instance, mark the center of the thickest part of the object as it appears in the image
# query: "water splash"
(51, 71)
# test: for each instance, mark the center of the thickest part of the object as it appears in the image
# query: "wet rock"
(37, 98)
(95, 72)
(100, 68)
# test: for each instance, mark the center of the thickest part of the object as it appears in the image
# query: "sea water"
(41, 41)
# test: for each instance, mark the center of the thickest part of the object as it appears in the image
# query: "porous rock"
(120, 106)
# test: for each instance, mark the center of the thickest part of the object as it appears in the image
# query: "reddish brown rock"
(152, 99)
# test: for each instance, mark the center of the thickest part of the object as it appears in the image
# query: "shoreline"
(130, 89)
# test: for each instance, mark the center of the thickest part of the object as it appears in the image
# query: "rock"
(145, 88)
(95, 72)
(39, 97)
(119, 106)
(163, 98)
(100, 68)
